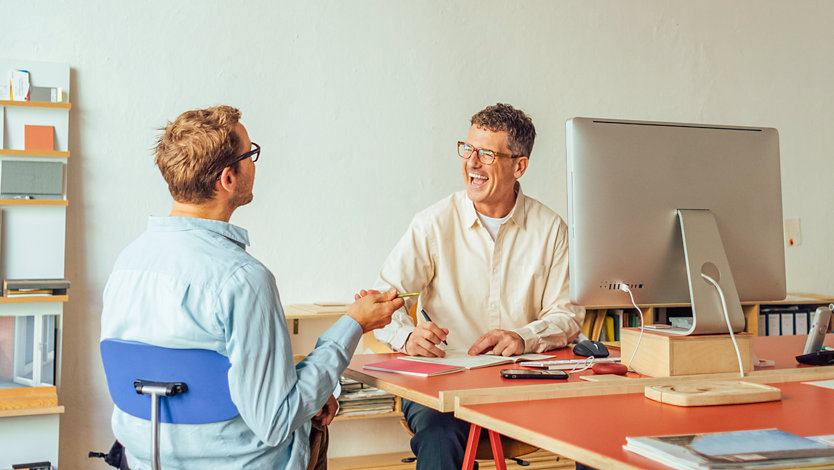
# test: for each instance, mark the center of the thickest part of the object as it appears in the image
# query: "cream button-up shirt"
(471, 284)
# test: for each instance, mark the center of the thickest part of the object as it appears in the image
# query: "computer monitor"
(633, 185)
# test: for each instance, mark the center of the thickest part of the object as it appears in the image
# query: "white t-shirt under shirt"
(492, 224)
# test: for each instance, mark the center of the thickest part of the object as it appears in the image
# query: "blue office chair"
(194, 383)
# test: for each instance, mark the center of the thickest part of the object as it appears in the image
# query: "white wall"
(357, 106)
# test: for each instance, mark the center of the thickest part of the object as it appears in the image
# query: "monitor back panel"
(627, 178)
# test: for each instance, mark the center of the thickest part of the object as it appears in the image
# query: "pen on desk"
(429, 319)
(407, 294)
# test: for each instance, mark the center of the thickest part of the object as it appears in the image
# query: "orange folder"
(39, 137)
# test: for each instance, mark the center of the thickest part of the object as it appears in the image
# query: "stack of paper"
(463, 359)
(360, 399)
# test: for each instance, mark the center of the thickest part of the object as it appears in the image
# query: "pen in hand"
(426, 315)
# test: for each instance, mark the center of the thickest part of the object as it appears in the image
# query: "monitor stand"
(705, 254)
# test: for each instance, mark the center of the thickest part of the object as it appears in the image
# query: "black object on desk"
(818, 358)
(589, 348)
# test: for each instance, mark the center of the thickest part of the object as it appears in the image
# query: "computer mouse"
(590, 348)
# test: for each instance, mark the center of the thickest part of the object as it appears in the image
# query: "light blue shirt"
(189, 283)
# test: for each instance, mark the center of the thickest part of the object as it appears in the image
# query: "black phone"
(533, 374)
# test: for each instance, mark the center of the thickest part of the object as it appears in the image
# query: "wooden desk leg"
(497, 451)
(471, 447)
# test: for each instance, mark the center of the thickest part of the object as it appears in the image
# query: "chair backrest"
(204, 372)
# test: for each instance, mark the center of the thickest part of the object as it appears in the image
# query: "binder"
(773, 324)
(801, 323)
(786, 322)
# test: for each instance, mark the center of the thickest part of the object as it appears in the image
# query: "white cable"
(625, 288)
(589, 362)
(726, 317)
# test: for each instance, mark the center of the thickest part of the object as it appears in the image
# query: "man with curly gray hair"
(491, 266)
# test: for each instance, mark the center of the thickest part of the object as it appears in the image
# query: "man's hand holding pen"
(424, 339)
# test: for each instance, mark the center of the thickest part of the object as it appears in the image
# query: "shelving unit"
(595, 315)
(32, 246)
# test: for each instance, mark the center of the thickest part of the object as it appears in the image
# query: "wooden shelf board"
(792, 299)
(390, 414)
(50, 410)
(302, 311)
(34, 299)
(25, 401)
(33, 202)
(35, 153)
(539, 460)
(35, 104)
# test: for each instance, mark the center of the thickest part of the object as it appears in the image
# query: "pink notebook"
(423, 369)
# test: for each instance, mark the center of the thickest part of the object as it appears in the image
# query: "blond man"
(187, 282)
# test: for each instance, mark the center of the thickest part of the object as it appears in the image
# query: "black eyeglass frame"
(484, 153)
(254, 154)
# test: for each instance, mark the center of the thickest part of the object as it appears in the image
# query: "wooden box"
(662, 354)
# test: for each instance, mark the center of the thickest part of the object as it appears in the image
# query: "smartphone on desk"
(533, 374)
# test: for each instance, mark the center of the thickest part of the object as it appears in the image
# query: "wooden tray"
(712, 393)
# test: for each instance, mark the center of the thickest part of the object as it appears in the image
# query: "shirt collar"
(234, 233)
(517, 215)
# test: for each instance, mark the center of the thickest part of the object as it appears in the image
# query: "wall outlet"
(793, 233)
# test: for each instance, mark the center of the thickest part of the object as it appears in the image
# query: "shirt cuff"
(399, 339)
(530, 338)
(346, 332)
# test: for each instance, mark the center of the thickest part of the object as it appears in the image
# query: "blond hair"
(194, 149)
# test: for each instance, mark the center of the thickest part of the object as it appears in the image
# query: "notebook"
(422, 369)
(765, 448)
(462, 359)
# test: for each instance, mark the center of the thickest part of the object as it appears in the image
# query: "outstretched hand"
(363, 293)
(374, 309)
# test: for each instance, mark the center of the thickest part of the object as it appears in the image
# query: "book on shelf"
(369, 393)
(357, 398)
(350, 385)
(29, 287)
(785, 320)
(761, 448)
(422, 369)
(464, 360)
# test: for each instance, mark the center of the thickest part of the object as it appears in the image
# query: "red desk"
(592, 430)
(485, 388)
(439, 392)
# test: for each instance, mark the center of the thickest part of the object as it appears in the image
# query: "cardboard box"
(39, 137)
(662, 354)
